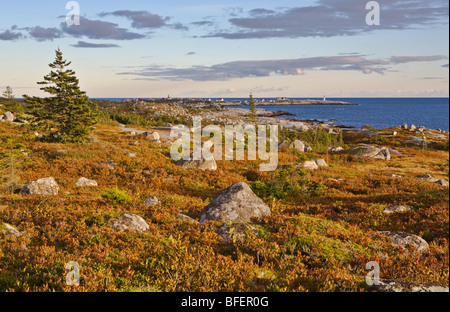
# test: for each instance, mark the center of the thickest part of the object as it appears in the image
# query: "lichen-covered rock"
(237, 203)
(364, 150)
(46, 186)
(151, 201)
(404, 240)
(130, 222)
(83, 182)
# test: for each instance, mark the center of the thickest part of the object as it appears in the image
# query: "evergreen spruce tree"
(11, 104)
(69, 109)
(252, 104)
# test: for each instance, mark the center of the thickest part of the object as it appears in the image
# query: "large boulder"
(46, 186)
(130, 222)
(202, 164)
(237, 203)
(83, 182)
(8, 117)
(404, 240)
(369, 151)
(300, 146)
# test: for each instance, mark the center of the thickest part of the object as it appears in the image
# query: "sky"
(227, 48)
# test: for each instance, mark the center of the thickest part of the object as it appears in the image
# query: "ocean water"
(432, 113)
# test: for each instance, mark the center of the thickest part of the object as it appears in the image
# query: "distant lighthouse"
(324, 98)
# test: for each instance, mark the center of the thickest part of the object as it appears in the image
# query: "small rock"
(130, 222)
(132, 155)
(153, 136)
(428, 177)
(186, 218)
(46, 186)
(396, 208)
(443, 183)
(335, 149)
(86, 182)
(151, 201)
(404, 240)
(8, 229)
(413, 128)
(309, 165)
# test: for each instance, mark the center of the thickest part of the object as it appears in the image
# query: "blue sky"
(229, 48)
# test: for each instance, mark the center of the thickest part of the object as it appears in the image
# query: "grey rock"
(412, 128)
(417, 141)
(8, 117)
(443, 182)
(202, 164)
(153, 136)
(394, 152)
(300, 146)
(86, 182)
(404, 240)
(364, 150)
(46, 186)
(237, 203)
(428, 177)
(309, 165)
(321, 163)
(130, 222)
(186, 218)
(151, 201)
(7, 229)
(231, 232)
(396, 209)
(132, 155)
(405, 286)
(335, 149)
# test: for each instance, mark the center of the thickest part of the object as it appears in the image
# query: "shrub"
(116, 195)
